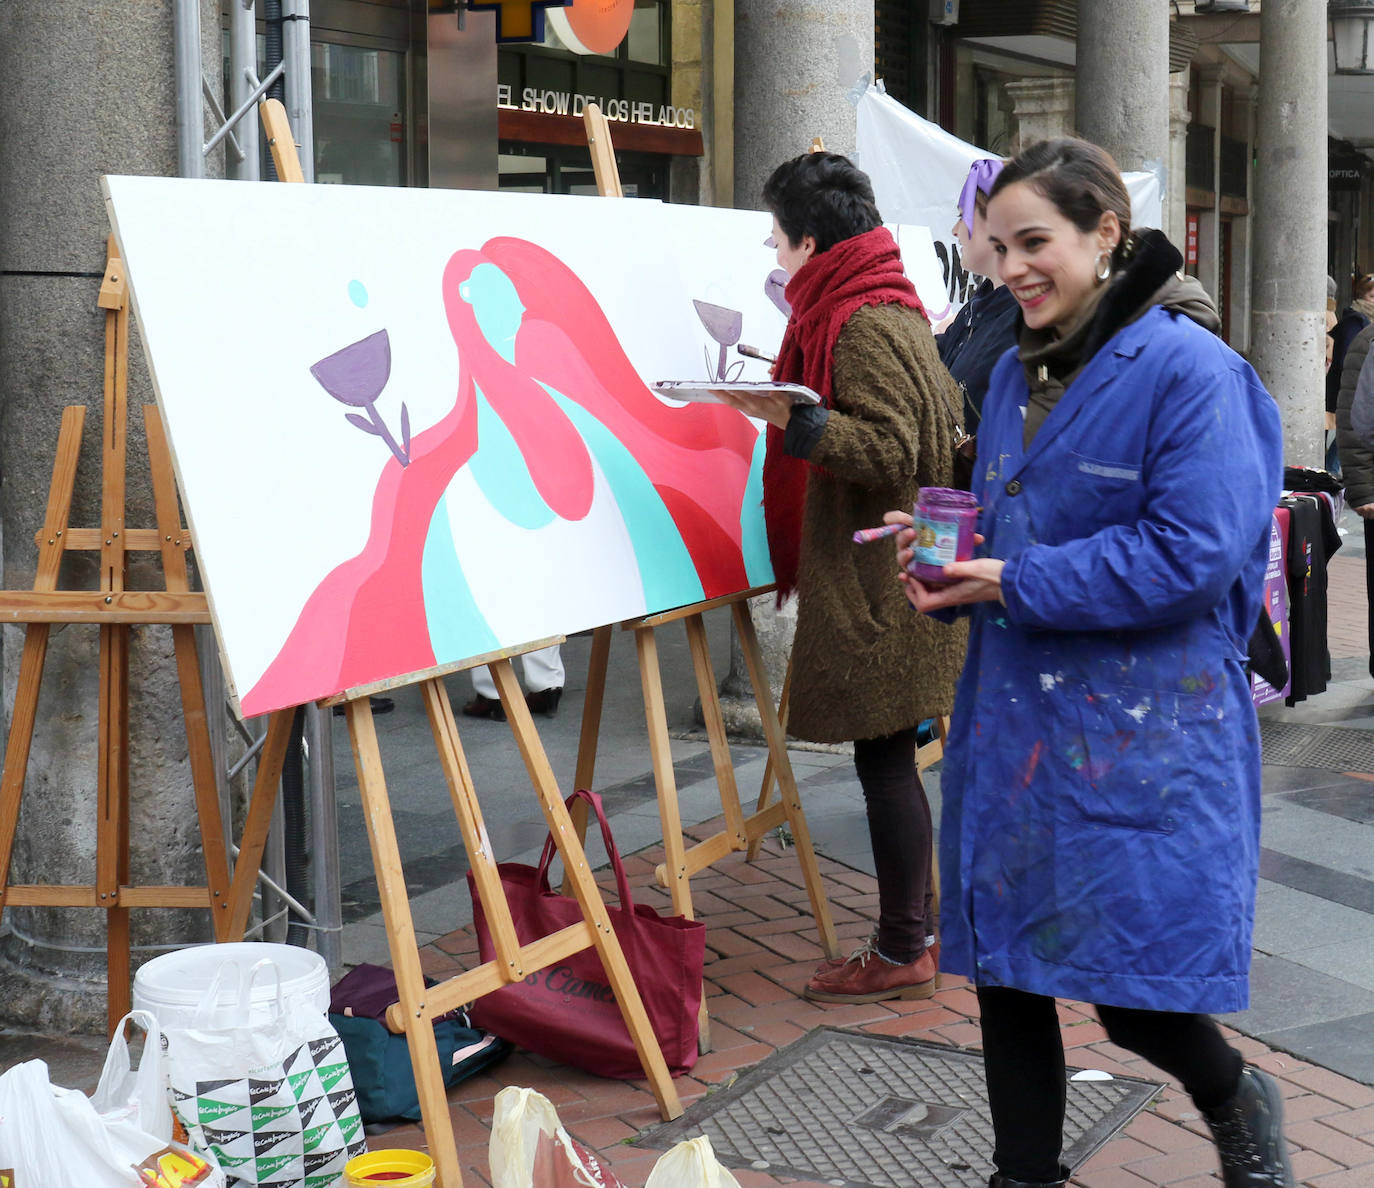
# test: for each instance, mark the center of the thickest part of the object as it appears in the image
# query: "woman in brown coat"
(864, 667)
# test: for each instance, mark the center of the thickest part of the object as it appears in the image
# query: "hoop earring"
(1103, 270)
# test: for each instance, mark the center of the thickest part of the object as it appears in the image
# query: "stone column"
(1287, 319)
(1242, 235)
(91, 90)
(1123, 81)
(1209, 221)
(1043, 108)
(1176, 194)
(795, 65)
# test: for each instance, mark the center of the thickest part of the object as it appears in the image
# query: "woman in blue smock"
(1101, 787)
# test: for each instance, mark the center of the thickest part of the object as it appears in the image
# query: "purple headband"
(981, 174)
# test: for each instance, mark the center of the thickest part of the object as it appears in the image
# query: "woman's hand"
(776, 410)
(979, 580)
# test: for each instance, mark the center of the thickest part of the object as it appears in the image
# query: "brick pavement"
(760, 949)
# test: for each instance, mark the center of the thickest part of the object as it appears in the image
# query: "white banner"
(918, 170)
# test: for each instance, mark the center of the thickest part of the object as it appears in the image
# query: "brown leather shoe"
(831, 966)
(866, 977)
(484, 707)
(544, 701)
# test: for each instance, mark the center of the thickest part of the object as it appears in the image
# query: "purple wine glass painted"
(355, 375)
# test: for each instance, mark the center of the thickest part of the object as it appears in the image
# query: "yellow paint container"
(399, 1168)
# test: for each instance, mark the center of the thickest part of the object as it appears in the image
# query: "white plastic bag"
(53, 1137)
(270, 1103)
(530, 1149)
(690, 1164)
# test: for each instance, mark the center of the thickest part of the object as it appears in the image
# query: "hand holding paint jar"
(944, 521)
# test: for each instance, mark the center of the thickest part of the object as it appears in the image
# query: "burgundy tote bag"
(567, 1011)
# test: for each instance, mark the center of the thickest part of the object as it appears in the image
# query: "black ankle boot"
(1000, 1181)
(1249, 1134)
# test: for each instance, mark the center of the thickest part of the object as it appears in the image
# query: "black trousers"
(1369, 584)
(899, 827)
(1023, 1060)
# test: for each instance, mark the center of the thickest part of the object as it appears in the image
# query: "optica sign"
(592, 26)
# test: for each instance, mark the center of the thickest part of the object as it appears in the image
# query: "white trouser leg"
(482, 683)
(543, 669)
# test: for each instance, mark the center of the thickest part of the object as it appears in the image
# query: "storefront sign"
(593, 26)
(1344, 175)
(517, 20)
(1190, 251)
(623, 111)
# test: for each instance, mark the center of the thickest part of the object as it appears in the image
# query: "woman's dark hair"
(1081, 180)
(823, 195)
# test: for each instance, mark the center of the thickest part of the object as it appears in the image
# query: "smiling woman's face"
(1048, 263)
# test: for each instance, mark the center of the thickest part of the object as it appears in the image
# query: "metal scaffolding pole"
(296, 55)
(190, 114)
(243, 71)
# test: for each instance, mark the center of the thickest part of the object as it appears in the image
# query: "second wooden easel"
(115, 610)
(740, 832)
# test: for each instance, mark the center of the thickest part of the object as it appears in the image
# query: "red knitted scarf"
(827, 289)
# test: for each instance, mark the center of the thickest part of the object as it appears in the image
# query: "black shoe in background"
(544, 701)
(484, 707)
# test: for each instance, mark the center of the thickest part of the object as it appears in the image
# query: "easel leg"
(586, 892)
(24, 715)
(585, 773)
(766, 788)
(259, 819)
(660, 751)
(673, 873)
(787, 784)
(405, 954)
(198, 746)
(112, 829)
(715, 729)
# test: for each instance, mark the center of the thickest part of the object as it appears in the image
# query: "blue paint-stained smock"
(1101, 786)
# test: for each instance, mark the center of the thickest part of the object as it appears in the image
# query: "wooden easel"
(740, 832)
(420, 1005)
(115, 609)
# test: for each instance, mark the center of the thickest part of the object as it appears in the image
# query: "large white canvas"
(240, 289)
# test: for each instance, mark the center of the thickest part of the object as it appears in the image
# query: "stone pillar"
(1043, 108)
(1288, 313)
(1123, 81)
(1176, 194)
(1209, 221)
(1242, 239)
(795, 65)
(92, 90)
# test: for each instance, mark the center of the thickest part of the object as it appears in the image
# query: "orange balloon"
(592, 26)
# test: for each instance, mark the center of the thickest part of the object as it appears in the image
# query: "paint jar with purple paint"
(944, 520)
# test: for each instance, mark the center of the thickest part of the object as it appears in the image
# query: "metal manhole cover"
(1332, 748)
(870, 1111)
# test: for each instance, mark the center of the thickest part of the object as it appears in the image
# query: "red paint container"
(944, 520)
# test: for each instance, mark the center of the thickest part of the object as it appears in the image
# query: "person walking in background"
(1101, 784)
(864, 668)
(1357, 454)
(1356, 316)
(985, 328)
(543, 671)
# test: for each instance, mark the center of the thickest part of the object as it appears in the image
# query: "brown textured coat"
(864, 663)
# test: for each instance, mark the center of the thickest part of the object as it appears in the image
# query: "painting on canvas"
(412, 426)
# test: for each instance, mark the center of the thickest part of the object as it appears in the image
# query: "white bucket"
(173, 985)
